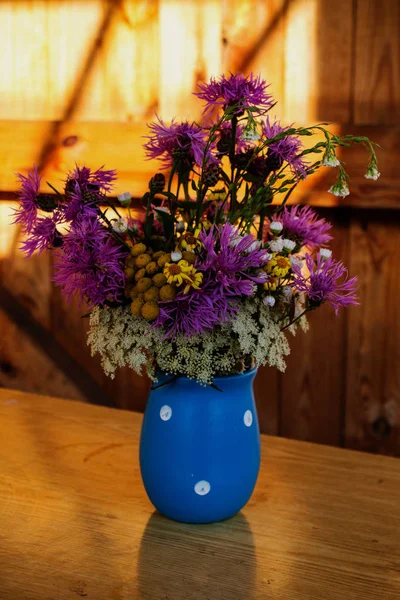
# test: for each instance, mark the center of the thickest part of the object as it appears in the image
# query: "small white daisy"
(288, 245)
(276, 245)
(325, 253)
(119, 225)
(276, 227)
(124, 199)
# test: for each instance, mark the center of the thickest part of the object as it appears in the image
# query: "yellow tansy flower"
(271, 285)
(177, 272)
(278, 266)
(189, 241)
(194, 280)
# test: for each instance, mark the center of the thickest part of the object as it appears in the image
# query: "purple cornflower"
(79, 203)
(302, 224)
(231, 258)
(286, 149)
(236, 90)
(196, 312)
(182, 142)
(43, 236)
(322, 284)
(96, 181)
(26, 213)
(90, 263)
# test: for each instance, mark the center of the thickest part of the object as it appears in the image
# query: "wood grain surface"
(323, 523)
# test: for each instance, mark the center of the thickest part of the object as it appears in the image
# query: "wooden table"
(75, 521)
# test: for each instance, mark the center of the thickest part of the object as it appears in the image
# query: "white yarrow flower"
(372, 172)
(124, 199)
(325, 253)
(269, 301)
(276, 245)
(119, 225)
(330, 160)
(289, 245)
(340, 189)
(176, 256)
(276, 227)
(250, 135)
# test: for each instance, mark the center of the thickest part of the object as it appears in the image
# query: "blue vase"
(200, 447)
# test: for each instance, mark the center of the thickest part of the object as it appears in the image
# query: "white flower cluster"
(254, 336)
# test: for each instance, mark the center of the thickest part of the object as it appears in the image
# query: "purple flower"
(182, 142)
(26, 213)
(90, 263)
(322, 284)
(43, 236)
(84, 190)
(196, 312)
(286, 149)
(96, 181)
(302, 224)
(80, 202)
(236, 90)
(231, 259)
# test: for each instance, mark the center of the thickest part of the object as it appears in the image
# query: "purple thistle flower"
(322, 284)
(97, 181)
(231, 258)
(43, 236)
(76, 206)
(26, 213)
(302, 224)
(286, 149)
(196, 312)
(235, 90)
(90, 263)
(184, 142)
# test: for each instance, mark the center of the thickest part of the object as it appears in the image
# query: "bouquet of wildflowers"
(219, 267)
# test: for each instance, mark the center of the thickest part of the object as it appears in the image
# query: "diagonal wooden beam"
(51, 143)
(45, 340)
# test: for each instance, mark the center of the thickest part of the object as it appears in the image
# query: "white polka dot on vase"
(202, 488)
(248, 418)
(166, 413)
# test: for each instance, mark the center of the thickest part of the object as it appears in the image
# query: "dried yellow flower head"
(138, 249)
(144, 284)
(190, 257)
(136, 307)
(129, 272)
(151, 294)
(151, 268)
(139, 274)
(142, 261)
(150, 311)
(159, 280)
(167, 292)
(162, 260)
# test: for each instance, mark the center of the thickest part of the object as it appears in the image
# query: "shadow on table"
(182, 561)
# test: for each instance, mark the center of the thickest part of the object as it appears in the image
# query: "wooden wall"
(81, 88)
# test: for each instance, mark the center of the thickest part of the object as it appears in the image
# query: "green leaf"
(168, 195)
(148, 226)
(54, 189)
(194, 185)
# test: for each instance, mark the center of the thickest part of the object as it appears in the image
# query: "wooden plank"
(253, 40)
(267, 393)
(318, 61)
(322, 524)
(373, 378)
(190, 51)
(24, 366)
(313, 387)
(377, 62)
